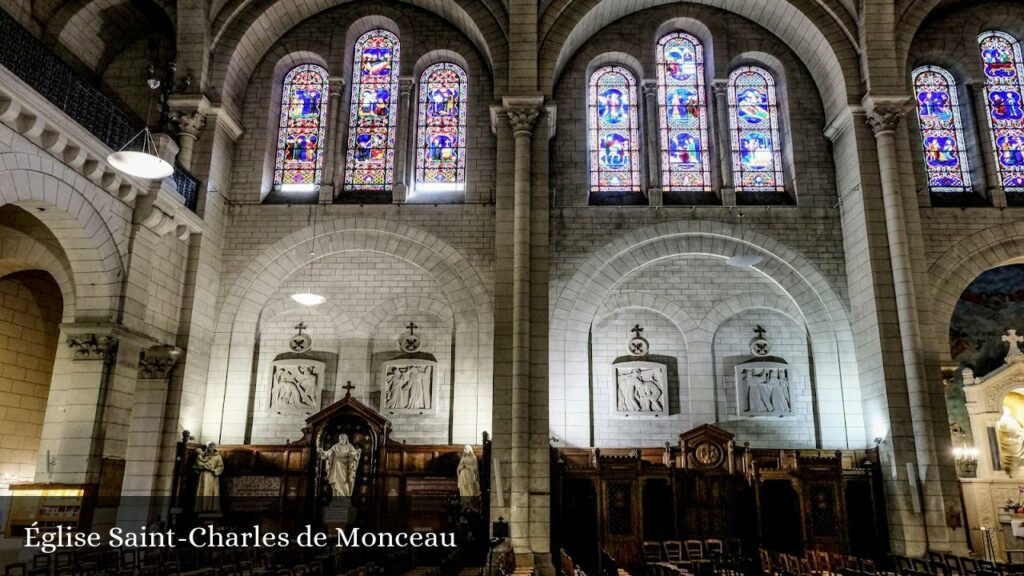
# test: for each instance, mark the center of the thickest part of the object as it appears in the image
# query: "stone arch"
(730, 307)
(826, 45)
(653, 302)
(423, 305)
(435, 57)
(826, 319)
(95, 31)
(22, 253)
(284, 306)
(230, 376)
(616, 58)
(244, 32)
(952, 272)
(67, 207)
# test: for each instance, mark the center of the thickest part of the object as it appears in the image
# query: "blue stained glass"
(1001, 57)
(441, 129)
(614, 135)
(369, 164)
(298, 162)
(754, 123)
(938, 113)
(685, 165)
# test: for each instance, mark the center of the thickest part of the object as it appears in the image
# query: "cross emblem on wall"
(348, 388)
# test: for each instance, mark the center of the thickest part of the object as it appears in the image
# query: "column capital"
(92, 346)
(188, 123)
(720, 86)
(883, 114)
(650, 87)
(157, 362)
(405, 85)
(523, 113)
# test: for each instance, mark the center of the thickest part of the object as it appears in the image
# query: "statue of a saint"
(210, 466)
(469, 474)
(342, 466)
(1011, 442)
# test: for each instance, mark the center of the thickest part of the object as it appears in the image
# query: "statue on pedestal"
(469, 474)
(1011, 442)
(210, 466)
(342, 466)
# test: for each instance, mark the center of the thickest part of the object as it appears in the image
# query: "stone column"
(985, 159)
(721, 88)
(406, 119)
(188, 125)
(653, 134)
(331, 179)
(145, 436)
(522, 115)
(883, 115)
(71, 436)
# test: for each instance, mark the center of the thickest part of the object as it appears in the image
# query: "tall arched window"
(685, 165)
(369, 165)
(754, 123)
(1001, 56)
(942, 137)
(441, 130)
(614, 131)
(303, 120)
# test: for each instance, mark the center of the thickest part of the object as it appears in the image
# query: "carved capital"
(650, 88)
(157, 363)
(405, 86)
(187, 123)
(92, 347)
(884, 115)
(721, 87)
(523, 118)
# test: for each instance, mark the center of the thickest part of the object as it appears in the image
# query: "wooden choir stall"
(393, 487)
(623, 505)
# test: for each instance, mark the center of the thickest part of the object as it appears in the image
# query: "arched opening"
(30, 313)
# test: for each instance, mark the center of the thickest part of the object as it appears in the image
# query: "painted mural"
(990, 305)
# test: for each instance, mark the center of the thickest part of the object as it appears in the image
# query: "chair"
(714, 548)
(952, 562)
(674, 552)
(969, 566)
(920, 565)
(694, 550)
(652, 551)
(734, 548)
(822, 562)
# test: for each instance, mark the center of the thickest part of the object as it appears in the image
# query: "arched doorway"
(31, 307)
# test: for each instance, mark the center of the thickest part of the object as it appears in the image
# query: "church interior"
(591, 287)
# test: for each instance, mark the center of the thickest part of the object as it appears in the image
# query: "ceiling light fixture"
(309, 297)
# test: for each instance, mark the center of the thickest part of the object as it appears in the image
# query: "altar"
(993, 493)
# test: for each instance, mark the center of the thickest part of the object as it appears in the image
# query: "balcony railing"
(33, 62)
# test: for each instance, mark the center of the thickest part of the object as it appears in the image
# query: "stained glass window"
(942, 137)
(685, 165)
(369, 164)
(1000, 54)
(441, 130)
(754, 124)
(301, 129)
(614, 131)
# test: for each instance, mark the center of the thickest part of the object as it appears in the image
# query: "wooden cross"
(759, 331)
(637, 330)
(412, 327)
(348, 388)
(300, 327)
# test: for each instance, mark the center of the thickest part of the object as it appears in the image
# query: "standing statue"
(342, 466)
(1011, 442)
(469, 474)
(210, 466)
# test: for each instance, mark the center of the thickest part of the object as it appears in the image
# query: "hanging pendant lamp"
(310, 298)
(146, 163)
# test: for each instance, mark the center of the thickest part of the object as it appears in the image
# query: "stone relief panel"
(408, 386)
(763, 389)
(296, 386)
(641, 389)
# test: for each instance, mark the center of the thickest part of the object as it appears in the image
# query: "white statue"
(342, 466)
(210, 466)
(1011, 441)
(1013, 355)
(469, 474)
(407, 387)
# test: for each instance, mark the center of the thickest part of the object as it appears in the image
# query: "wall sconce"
(966, 458)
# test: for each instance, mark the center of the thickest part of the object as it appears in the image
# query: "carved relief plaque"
(763, 389)
(296, 386)
(408, 386)
(640, 389)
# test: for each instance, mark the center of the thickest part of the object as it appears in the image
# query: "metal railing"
(32, 61)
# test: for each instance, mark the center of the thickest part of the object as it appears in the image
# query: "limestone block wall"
(30, 311)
